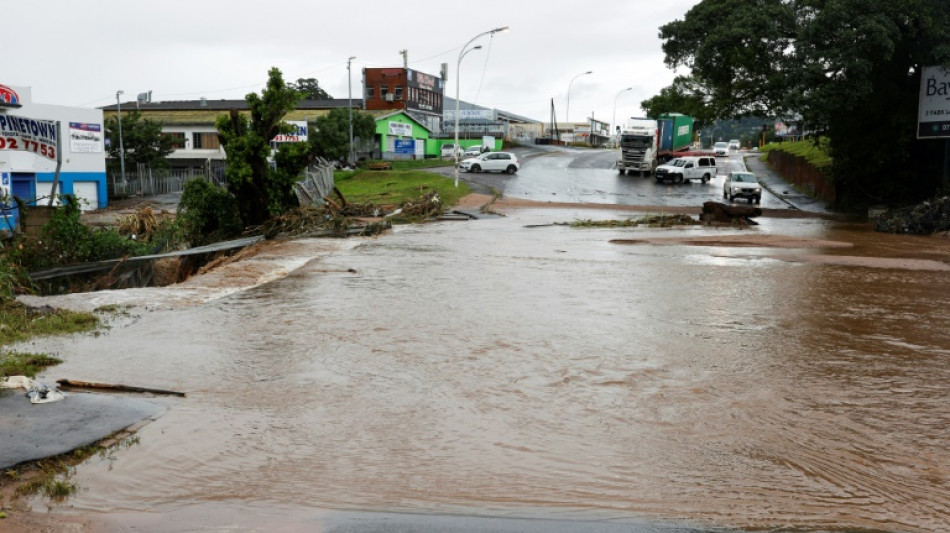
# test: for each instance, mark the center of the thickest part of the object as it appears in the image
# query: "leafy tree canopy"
(310, 89)
(142, 140)
(683, 96)
(331, 136)
(260, 189)
(849, 68)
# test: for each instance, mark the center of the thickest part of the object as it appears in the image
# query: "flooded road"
(486, 368)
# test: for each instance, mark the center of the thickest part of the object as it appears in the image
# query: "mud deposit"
(486, 368)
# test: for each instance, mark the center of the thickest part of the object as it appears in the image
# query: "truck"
(646, 143)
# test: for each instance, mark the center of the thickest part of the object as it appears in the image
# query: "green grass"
(395, 187)
(415, 163)
(816, 155)
(19, 322)
(25, 364)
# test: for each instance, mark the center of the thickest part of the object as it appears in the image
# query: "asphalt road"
(573, 175)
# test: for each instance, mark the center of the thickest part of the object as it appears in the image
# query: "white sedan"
(492, 162)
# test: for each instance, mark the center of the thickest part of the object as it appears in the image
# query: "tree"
(849, 68)
(259, 189)
(683, 96)
(331, 136)
(310, 89)
(142, 140)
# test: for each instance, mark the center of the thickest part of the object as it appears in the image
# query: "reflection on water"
(487, 368)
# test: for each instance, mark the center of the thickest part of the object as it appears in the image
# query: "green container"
(682, 130)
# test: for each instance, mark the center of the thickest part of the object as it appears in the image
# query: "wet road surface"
(573, 175)
(487, 369)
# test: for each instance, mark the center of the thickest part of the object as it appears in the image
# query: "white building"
(30, 152)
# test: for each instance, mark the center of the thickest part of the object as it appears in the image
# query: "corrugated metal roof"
(227, 105)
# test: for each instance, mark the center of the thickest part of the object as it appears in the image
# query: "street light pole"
(615, 107)
(567, 112)
(349, 104)
(121, 147)
(458, 65)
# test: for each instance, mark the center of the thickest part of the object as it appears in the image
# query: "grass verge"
(395, 187)
(816, 154)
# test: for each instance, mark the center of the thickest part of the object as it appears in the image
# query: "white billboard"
(933, 120)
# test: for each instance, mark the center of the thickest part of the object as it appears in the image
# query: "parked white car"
(449, 151)
(473, 151)
(492, 162)
(687, 168)
(742, 185)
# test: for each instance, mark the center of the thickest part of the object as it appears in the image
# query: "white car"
(449, 151)
(492, 162)
(721, 148)
(734, 144)
(473, 151)
(742, 185)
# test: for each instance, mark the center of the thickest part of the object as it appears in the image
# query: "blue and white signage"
(85, 138)
(404, 146)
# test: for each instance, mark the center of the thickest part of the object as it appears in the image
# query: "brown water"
(487, 368)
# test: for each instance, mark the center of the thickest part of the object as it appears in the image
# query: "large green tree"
(331, 135)
(142, 140)
(309, 89)
(683, 96)
(261, 189)
(849, 68)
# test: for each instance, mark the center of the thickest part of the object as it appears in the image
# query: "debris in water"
(932, 216)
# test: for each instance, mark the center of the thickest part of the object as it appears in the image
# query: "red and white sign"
(28, 135)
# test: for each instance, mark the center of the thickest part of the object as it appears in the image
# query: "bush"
(65, 240)
(208, 213)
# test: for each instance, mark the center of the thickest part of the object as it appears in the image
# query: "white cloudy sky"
(80, 53)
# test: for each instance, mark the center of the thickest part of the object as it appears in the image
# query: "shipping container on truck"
(646, 143)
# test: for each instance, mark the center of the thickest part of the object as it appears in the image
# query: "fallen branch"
(109, 386)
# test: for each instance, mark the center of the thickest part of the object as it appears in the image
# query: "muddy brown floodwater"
(791, 375)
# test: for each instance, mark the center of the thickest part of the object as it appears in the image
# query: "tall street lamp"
(567, 112)
(615, 107)
(349, 104)
(121, 147)
(458, 65)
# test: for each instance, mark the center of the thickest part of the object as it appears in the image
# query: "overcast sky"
(80, 53)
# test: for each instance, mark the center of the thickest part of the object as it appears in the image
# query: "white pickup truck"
(687, 168)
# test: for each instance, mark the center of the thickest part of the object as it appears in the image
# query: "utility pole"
(405, 58)
(349, 105)
(121, 147)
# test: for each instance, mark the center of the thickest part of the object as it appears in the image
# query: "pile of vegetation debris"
(653, 221)
(346, 219)
(926, 218)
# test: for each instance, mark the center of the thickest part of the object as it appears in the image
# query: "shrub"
(208, 213)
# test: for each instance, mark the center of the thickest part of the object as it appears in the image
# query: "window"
(369, 93)
(206, 141)
(179, 138)
(383, 91)
(398, 93)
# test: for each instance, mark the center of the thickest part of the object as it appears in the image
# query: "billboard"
(423, 92)
(85, 138)
(28, 135)
(297, 136)
(933, 119)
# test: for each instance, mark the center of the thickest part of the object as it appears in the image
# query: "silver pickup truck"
(687, 168)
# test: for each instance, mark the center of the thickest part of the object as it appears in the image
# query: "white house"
(31, 152)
